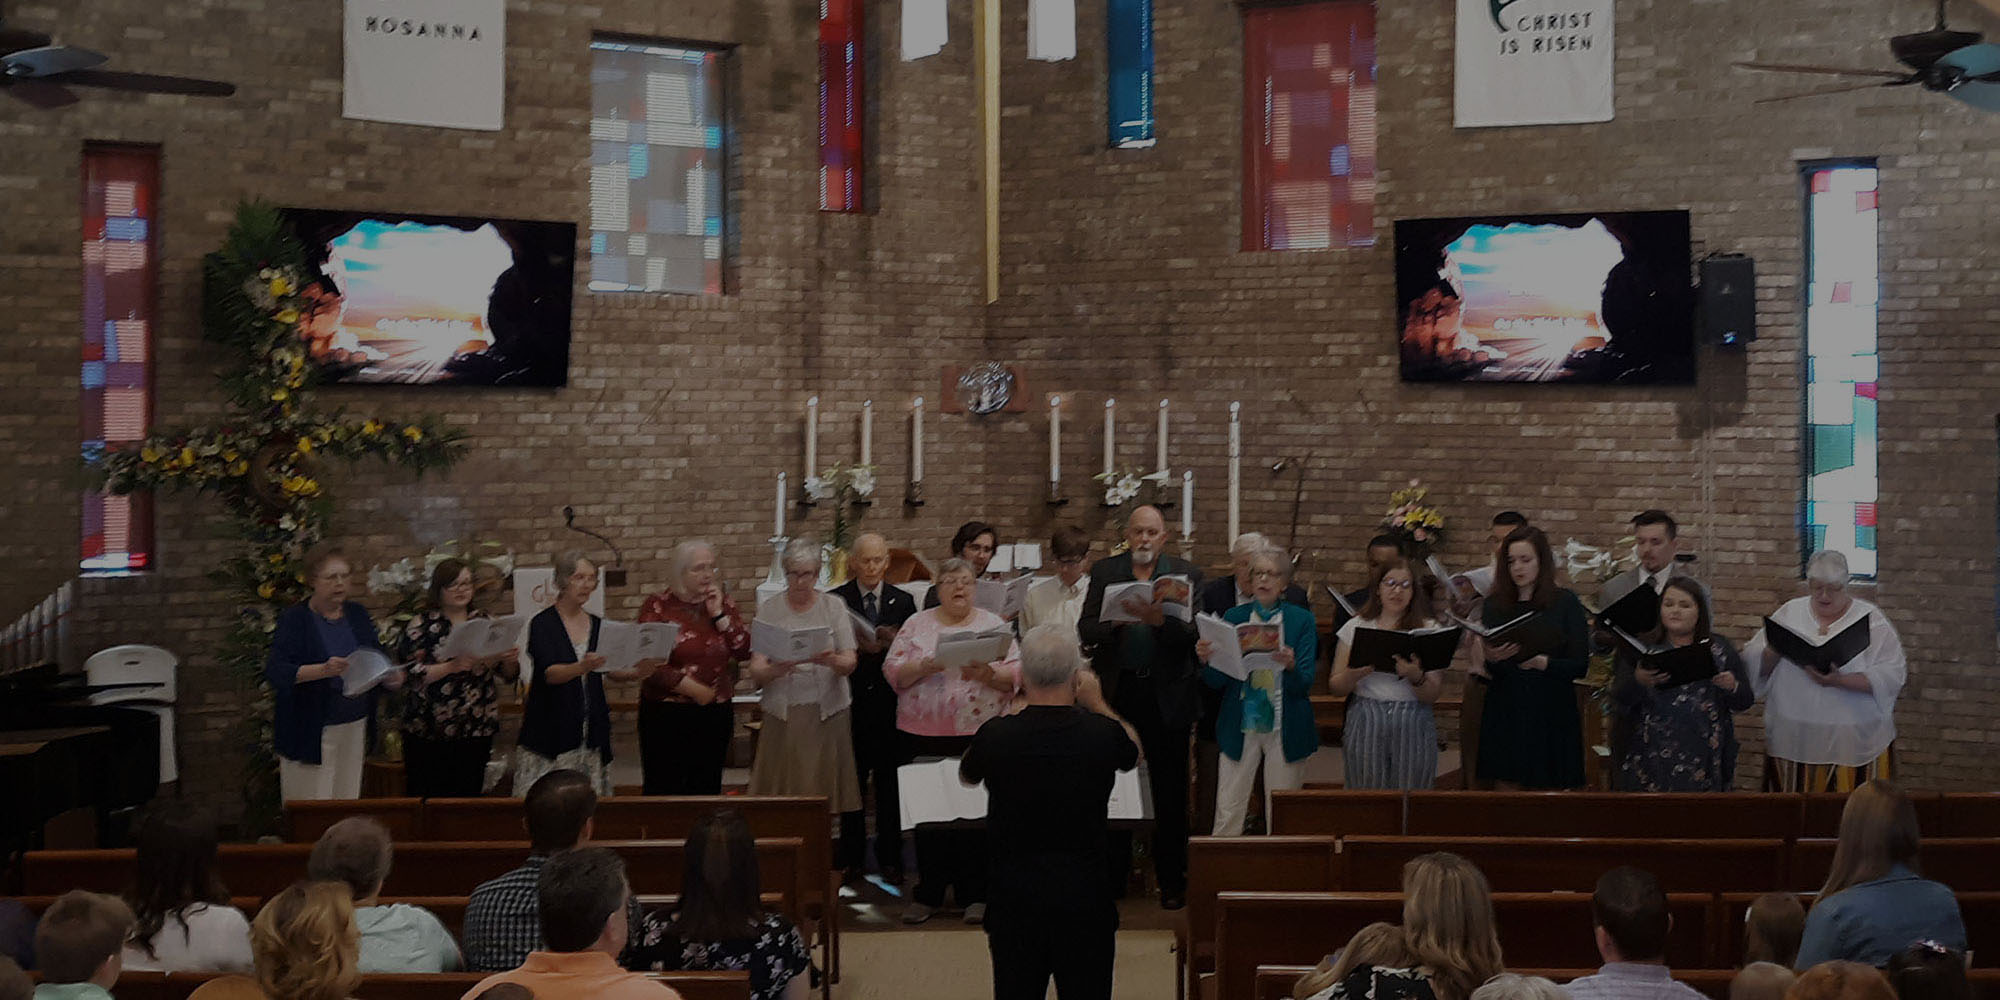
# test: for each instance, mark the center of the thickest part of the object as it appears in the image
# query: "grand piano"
(58, 752)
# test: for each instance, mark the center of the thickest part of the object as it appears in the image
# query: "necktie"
(869, 610)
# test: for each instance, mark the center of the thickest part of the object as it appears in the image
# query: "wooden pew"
(39, 904)
(306, 819)
(1216, 864)
(1312, 812)
(1965, 814)
(1822, 814)
(1275, 982)
(1603, 814)
(439, 986)
(1963, 863)
(450, 910)
(1535, 864)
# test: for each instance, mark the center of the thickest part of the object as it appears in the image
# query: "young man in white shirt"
(1058, 600)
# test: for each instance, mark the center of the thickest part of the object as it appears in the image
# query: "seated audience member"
(14, 984)
(78, 944)
(1841, 981)
(502, 924)
(1928, 970)
(1762, 981)
(184, 920)
(228, 988)
(1630, 915)
(720, 924)
(1772, 928)
(1874, 903)
(581, 896)
(305, 944)
(1376, 963)
(1508, 986)
(396, 938)
(17, 932)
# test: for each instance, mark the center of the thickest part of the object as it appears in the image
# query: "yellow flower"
(288, 316)
(305, 445)
(280, 396)
(280, 286)
(149, 454)
(187, 456)
(266, 591)
(277, 559)
(229, 455)
(414, 433)
(372, 427)
(239, 468)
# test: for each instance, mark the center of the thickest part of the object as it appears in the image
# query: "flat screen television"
(410, 299)
(1596, 298)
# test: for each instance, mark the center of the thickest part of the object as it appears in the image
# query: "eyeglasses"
(802, 574)
(1398, 584)
(1078, 561)
(1266, 574)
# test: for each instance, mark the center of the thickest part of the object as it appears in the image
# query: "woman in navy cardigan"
(321, 734)
(565, 721)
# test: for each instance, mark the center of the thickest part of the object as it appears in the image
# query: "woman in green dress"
(1531, 735)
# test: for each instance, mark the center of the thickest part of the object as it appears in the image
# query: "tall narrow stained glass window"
(1309, 126)
(1842, 288)
(657, 162)
(121, 186)
(840, 104)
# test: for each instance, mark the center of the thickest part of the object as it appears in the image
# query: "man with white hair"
(1828, 732)
(1048, 771)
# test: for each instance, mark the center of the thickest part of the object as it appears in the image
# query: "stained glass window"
(657, 211)
(1842, 284)
(1309, 126)
(840, 105)
(120, 271)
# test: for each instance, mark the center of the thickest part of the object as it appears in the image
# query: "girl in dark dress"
(1683, 738)
(1531, 735)
(721, 924)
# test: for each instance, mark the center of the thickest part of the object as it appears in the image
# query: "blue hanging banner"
(1128, 47)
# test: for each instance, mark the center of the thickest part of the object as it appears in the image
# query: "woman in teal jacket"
(1268, 717)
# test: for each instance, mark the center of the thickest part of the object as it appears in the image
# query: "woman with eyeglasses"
(685, 712)
(807, 744)
(1389, 738)
(452, 710)
(321, 732)
(1266, 719)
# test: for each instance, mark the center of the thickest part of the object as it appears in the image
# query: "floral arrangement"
(1417, 526)
(1124, 484)
(1588, 564)
(265, 460)
(847, 486)
(407, 579)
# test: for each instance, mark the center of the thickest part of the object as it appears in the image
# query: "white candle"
(1055, 440)
(1235, 471)
(812, 437)
(917, 440)
(1110, 421)
(1187, 503)
(778, 520)
(867, 431)
(1160, 460)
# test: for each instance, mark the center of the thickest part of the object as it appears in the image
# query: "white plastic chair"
(141, 664)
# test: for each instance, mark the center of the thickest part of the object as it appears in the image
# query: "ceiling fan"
(1954, 63)
(34, 70)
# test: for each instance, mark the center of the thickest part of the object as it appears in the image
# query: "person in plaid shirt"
(502, 924)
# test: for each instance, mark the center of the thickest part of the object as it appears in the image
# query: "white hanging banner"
(925, 29)
(1533, 62)
(426, 62)
(1052, 30)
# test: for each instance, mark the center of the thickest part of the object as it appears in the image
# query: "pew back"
(1963, 863)
(1531, 864)
(1249, 864)
(1315, 813)
(1603, 814)
(306, 819)
(439, 986)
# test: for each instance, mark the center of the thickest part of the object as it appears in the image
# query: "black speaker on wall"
(1728, 305)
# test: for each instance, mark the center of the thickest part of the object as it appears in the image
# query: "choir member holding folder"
(565, 721)
(1829, 668)
(1266, 713)
(807, 745)
(1535, 646)
(938, 708)
(452, 709)
(1390, 737)
(1676, 688)
(685, 718)
(322, 709)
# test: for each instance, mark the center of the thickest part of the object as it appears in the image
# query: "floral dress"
(1371, 982)
(1683, 738)
(774, 956)
(461, 706)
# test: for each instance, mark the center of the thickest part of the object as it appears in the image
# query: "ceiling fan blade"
(49, 60)
(39, 93)
(1822, 70)
(150, 83)
(16, 39)
(1823, 92)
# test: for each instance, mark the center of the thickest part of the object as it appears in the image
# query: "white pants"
(338, 774)
(1234, 780)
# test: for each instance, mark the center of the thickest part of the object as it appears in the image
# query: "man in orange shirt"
(581, 896)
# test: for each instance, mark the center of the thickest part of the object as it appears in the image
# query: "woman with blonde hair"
(1445, 949)
(305, 943)
(1874, 903)
(1379, 952)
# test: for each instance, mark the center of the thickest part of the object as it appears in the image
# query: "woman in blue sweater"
(320, 732)
(1267, 718)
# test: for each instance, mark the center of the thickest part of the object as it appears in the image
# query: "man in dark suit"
(1148, 672)
(1219, 595)
(873, 717)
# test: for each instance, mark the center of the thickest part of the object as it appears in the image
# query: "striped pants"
(1389, 744)
(1781, 775)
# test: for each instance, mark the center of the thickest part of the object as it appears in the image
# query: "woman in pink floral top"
(685, 719)
(937, 711)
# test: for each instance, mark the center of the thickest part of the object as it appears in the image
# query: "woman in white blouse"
(1828, 732)
(1390, 737)
(185, 922)
(807, 745)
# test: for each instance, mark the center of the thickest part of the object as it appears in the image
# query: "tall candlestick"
(867, 431)
(1187, 503)
(778, 521)
(1160, 460)
(812, 437)
(917, 440)
(1110, 422)
(1235, 471)
(1055, 440)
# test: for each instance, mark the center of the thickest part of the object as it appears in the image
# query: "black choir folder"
(1682, 664)
(1378, 648)
(1824, 656)
(1638, 611)
(1535, 632)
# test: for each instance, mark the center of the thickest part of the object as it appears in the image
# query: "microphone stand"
(614, 575)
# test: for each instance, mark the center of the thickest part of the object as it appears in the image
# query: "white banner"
(1533, 62)
(426, 62)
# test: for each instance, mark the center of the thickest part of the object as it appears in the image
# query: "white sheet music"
(366, 667)
(957, 650)
(1004, 597)
(782, 645)
(931, 792)
(623, 644)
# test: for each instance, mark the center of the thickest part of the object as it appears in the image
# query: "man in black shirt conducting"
(1048, 772)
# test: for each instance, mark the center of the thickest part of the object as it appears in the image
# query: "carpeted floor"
(950, 963)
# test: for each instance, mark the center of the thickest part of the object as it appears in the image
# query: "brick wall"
(1121, 276)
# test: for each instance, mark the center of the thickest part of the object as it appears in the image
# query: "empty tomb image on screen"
(409, 299)
(1597, 298)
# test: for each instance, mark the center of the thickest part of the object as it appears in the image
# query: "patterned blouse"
(460, 706)
(943, 704)
(703, 651)
(1371, 982)
(773, 957)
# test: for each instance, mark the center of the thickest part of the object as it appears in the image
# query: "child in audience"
(1375, 963)
(77, 946)
(305, 944)
(1761, 981)
(1508, 986)
(1841, 981)
(14, 984)
(1772, 927)
(1928, 970)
